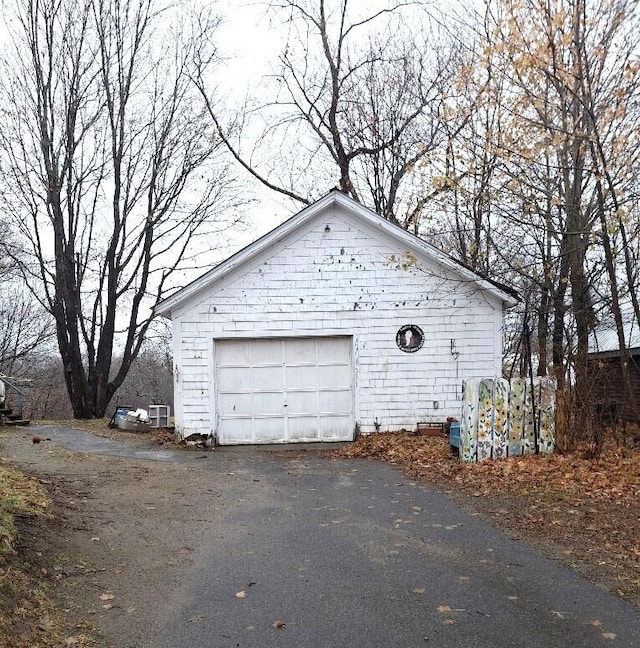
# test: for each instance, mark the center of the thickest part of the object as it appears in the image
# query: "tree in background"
(357, 95)
(150, 379)
(108, 174)
(24, 329)
(25, 326)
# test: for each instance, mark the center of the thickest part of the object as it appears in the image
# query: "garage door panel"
(335, 428)
(233, 378)
(304, 428)
(237, 431)
(302, 402)
(266, 351)
(268, 430)
(300, 351)
(301, 377)
(334, 376)
(233, 352)
(268, 404)
(251, 404)
(334, 349)
(266, 377)
(334, 401)
(235, 404)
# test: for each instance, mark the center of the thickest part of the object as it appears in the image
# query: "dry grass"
(27, 617)
(20, 496)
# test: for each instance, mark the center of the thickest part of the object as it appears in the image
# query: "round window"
(410, 338)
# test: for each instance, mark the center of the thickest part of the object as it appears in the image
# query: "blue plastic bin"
(454, 436)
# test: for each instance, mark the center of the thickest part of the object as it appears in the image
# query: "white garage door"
(284, 390)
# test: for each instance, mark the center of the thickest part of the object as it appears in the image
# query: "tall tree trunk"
(565, 433)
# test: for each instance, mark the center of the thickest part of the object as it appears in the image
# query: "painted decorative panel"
(468, 425)
(485, 419)
(501, 418)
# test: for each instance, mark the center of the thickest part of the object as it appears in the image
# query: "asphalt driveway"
(291, 550)
(353, 554)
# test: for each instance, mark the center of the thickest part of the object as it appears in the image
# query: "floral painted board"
(468, 424)
(516, 416)
(547, 407)
(485, 419)
(500, 418)
(529, 432)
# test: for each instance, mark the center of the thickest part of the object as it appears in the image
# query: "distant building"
(605, 371)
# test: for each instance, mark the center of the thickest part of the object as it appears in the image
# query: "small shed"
(335, 322)
(605, 372)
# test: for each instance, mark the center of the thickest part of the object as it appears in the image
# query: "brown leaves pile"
(612, 477)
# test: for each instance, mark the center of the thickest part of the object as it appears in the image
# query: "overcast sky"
(250, 46)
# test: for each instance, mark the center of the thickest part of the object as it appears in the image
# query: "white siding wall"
(346, 281)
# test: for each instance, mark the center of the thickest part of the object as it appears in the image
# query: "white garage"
(284, 390)
(337, 321)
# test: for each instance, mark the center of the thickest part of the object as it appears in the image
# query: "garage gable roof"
(337, 199)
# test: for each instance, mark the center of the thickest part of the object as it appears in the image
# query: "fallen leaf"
(241, 594)
(107, 597)
(444, 609)
(449, 621)
(45, 624)
(418, 590)
(279, 624)
(596, 623)
(609, 635)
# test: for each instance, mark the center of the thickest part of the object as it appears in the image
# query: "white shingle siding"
(350, 280)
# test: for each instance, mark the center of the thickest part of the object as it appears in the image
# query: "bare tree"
(25, 327)
(107, 171)
(150, 380)
(358, 97)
